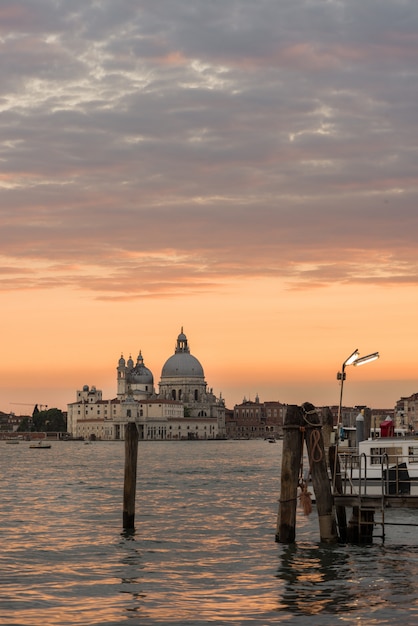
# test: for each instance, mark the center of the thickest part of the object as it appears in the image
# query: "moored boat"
(390, 460)
(40, 445)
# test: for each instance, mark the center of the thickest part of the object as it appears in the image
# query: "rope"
(310, 412)
(316, 452)
(314, 436)
(288, 500)
(305, 495)
(305, 500)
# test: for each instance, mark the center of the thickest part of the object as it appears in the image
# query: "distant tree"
(25, 425)
(55, 421)
(52, 420)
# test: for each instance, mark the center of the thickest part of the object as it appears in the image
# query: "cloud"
(193, 144)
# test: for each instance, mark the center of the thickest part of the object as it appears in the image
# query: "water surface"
(204, 550)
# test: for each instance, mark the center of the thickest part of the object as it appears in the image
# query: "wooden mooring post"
(291, 462)
(335, 469)
(303, 423)
(129, 485)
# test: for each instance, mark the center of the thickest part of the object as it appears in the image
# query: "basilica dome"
(140, 374)
(182, 364)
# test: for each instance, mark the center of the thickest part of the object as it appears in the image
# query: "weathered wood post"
(335, 468)
(291, 461)
(328, 432)
(129, 486)
(319, 474)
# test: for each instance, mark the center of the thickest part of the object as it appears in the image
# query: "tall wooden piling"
(291, 461)
(335, 468)
(319, 474)
(129, 486)
(303, 423)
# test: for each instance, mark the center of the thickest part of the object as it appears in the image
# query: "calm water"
(204, 550)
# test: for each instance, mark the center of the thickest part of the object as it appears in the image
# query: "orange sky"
(249, 175)
(254, 337)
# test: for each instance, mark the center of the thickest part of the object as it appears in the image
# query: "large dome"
(182, 363)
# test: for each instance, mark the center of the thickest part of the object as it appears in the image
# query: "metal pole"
(341, 375)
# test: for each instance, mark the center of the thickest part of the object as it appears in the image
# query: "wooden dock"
(377, 501)
(349, 511)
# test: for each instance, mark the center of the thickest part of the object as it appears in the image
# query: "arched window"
(179, 394)
(173, 394)
(196, 395)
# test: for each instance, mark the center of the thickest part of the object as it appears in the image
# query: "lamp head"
(366, 359)
(353, 357)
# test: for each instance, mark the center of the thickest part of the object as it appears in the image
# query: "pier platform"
(377, 501)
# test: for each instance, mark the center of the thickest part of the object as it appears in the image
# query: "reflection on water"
(317, 579)
(204, 549)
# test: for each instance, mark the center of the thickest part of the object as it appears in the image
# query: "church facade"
(184, 408)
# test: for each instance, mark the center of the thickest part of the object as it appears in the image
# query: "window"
(391, 454)
(413, 454)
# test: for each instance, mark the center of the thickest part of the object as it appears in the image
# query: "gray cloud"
(193, 142)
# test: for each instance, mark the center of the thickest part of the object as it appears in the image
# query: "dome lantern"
(182, 364)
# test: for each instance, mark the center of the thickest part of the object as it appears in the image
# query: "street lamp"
(356, 360)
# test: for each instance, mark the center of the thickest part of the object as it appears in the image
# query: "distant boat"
(271, 440)
(40, 444)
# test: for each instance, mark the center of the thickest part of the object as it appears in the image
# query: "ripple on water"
(203, 552)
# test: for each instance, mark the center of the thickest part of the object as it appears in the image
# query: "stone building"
(183, 409)
(406, 413)
(254, 419)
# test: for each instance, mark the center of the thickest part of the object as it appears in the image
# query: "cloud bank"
(154, 148)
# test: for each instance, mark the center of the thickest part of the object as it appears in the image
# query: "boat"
(390, 460)
(41, 444)
(271, 440)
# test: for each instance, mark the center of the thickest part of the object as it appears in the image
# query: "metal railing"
(393, 477)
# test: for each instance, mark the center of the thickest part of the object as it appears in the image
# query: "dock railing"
(392, 477)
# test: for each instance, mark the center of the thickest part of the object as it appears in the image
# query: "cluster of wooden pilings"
(303, 425)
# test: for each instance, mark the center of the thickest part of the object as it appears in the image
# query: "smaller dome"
(140, 373)
(122, 361)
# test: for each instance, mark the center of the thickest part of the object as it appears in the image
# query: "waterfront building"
(254, 419)
(406, 413)
(183, 409)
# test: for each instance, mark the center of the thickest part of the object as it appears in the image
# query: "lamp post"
(356, 360)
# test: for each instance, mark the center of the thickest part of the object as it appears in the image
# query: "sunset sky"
(246, 170)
